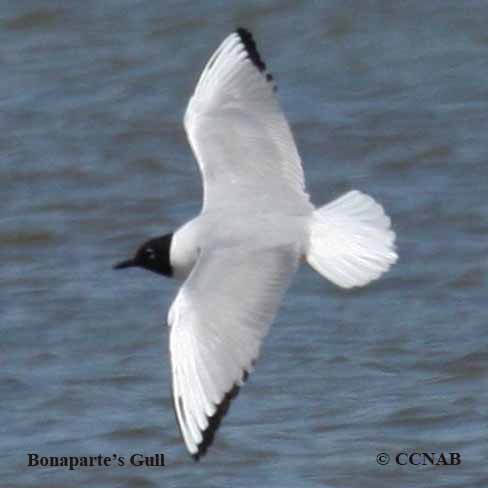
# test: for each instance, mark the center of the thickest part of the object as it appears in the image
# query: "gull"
(256, 225)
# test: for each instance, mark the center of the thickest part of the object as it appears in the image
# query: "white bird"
(257, 224)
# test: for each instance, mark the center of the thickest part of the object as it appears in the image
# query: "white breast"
(184, 249)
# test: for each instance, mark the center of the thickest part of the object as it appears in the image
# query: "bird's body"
(225, 230)
(256, 226)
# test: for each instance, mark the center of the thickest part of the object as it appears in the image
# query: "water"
(387, 98)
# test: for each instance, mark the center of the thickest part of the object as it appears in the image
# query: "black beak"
(125, 264)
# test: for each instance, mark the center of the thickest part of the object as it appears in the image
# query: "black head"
(153, 255)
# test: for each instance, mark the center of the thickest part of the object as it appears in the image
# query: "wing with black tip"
(239, 135)
(217, 323)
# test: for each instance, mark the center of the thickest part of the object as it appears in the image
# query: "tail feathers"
(351, 242)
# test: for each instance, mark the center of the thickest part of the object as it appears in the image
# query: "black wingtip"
(253, 53)
(214, 421)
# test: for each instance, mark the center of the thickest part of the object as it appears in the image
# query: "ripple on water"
(39, 18)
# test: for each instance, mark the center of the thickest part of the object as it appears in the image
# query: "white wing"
(239, 135)
(217, 321)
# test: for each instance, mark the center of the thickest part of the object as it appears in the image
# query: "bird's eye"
(150, 254)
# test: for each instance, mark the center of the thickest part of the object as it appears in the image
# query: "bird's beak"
(125, 264)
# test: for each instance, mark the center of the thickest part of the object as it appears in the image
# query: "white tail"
(351, 242)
